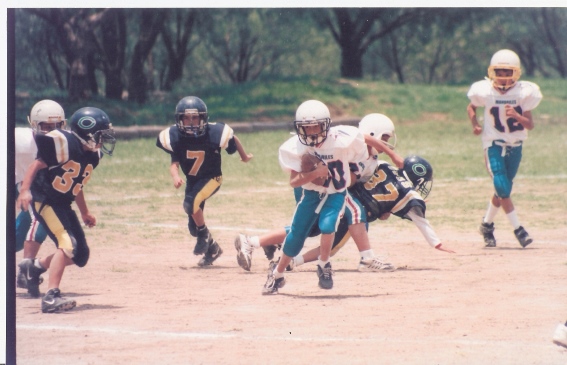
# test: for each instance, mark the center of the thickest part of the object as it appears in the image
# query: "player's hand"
(247, 158)
(321, 171)
(477, 130)
(384, 216)
(89, 219)
(511, 112)
(177, 182)
(398, 161)
(441, 248)
(24, 200)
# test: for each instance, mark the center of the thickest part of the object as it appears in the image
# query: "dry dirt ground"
(144, 300)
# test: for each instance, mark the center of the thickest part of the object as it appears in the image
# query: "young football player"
(65, 163)
(508, 105)
(389, 191)
(380, 136)
(194, 144)
(321, 203)
(45, 116)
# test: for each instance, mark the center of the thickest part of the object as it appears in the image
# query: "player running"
(65, 163)
(194, 144)
(508, 105)
(319, 205)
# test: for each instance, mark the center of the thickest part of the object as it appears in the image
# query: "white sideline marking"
(240, 336)
(263, 230)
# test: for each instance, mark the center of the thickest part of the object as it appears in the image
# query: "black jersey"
(387, 191)
(199, 157)
(69, 167)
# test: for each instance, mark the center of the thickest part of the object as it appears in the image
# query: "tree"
(75, 31)
(355, 30)
(150, 26)
(176, 36)
(243, 44)
(113, 52)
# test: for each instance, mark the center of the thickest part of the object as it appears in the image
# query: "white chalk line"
(240, 336)
(263, 230)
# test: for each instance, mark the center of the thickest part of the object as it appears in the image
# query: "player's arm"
(471, 111)
(426, 230)
(174, 172)
(524, 119)
(244, 157)
(298, 179)
(25, 197)
(88, 218)
(382, 147)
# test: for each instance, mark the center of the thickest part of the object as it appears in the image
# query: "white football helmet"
(377, 125)
(312, 113)
(46, 111)
(504, 60)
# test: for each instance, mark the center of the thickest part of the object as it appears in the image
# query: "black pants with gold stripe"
(64, 228)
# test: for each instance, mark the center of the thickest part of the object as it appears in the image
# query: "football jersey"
(69, 167)
(523, 96)
(343, 148)
(199, 157)
(366, 168)
(26, 151)
(389, 192)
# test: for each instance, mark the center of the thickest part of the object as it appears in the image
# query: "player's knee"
(188, 205)
(81, 252)
(81, 256)
(328, 225)
(503, 188)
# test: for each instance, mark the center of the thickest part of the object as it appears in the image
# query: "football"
(309, 163)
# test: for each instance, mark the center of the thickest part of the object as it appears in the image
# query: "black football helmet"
(93, 128)
(417, 170)
(194, 107)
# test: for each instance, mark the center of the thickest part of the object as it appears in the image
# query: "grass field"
(142, 299)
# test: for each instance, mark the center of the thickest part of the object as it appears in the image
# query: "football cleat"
(560, 335)
(204, 240)
(33, 276)
(375, 264)
(272, 284)
(325, 275)
(243, 251)
(21, 281)
(270, 251)
(487, 231)
(211, 255)
(523, 236)
(53, 302)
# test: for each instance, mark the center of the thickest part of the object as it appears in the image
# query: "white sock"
(37, 264)
(490, 212)
(322, 263)
(298, 260)
(277, 274)
(367, 254)
(513, 218)
(254, 241)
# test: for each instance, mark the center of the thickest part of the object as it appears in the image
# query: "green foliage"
(277, 100)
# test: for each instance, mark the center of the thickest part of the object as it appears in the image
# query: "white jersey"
(523, 96)
(343, 149)
(367, 167)
(26, 151)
